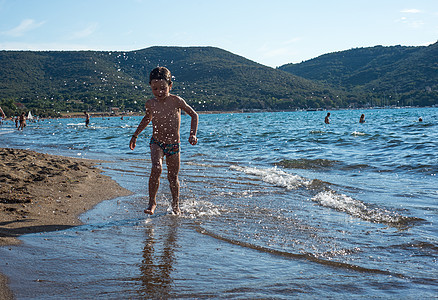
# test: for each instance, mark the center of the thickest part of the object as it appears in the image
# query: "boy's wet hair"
(161, 73)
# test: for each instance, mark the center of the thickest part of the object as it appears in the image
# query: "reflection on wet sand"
(159, 258)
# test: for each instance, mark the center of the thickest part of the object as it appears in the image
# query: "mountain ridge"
(210, 78)
(402, 72)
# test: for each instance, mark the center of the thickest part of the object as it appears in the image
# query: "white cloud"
(41, 46)
(412, 23)
(416, 24)
(411, 11)
(25, 26)
(292, 41)
(86, 32)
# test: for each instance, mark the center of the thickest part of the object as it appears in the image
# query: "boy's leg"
(173, 164)
(154, 179)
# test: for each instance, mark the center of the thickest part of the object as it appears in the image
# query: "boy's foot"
(176, 212)
(151, 209)
(175, 209)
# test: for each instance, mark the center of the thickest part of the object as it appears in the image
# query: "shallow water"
(275, 205)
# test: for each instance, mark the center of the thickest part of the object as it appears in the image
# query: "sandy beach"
(41, 192)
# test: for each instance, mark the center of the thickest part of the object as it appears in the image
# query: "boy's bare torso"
(165, 115)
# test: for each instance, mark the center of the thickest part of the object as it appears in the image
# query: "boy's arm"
(144, 122)
(193, 124)
(193, 129)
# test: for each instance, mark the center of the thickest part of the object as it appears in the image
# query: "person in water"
(362, 118)
(164, 110)
(22, 121)
(2, 116)
(327, 118)
(87, 118)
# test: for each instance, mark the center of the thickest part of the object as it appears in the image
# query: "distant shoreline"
(210, 112)
(79, 115)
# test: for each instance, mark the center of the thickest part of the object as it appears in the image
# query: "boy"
(164, 110)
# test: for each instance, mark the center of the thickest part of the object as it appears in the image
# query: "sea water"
(275, 205)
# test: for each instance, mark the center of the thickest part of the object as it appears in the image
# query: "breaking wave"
(326, 197)
(359, 209)
(275, 177)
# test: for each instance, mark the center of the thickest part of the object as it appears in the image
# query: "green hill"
(49, 82)
(208, 78)
(383, 75)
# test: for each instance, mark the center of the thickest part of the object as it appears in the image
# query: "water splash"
(327, 197)
(359, 209)
(275, 176)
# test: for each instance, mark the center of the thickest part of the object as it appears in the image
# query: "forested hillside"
(384, 75)
(208, 78)
(49, 82)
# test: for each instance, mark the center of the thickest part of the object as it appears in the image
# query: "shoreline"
(43, 193)
(78, 115)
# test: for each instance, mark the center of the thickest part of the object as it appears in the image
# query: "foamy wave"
(357, 133)
(242, 194)
(327, 198)
(6, 131)
(198, 208)
(199, 164)
(275, 176)
(357, 208)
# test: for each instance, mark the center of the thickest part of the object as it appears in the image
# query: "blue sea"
(276, 205)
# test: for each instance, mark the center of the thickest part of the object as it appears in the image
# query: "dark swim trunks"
(168, 149)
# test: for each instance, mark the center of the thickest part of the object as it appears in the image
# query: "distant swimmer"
(327, 118)
(362, 118)
(2, 116)
(420, 119)
(87, 118)
(22, 121)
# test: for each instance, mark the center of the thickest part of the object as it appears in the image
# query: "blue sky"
(270, 32)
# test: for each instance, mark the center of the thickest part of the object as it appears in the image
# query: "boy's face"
(160, 88)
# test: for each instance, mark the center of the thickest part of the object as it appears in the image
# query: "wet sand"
(41, 193)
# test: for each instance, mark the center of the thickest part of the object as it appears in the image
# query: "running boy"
(164, 110)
